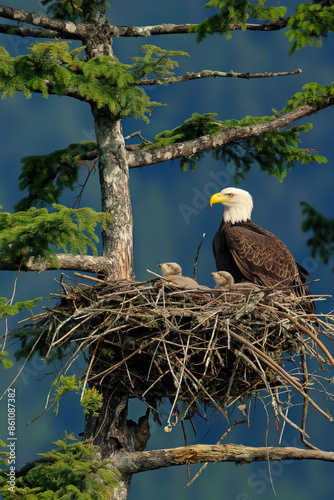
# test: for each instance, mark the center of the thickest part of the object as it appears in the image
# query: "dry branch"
(214, 74)
(133, 463)
(67, 29)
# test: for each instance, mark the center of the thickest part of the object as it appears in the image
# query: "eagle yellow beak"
(216, 198)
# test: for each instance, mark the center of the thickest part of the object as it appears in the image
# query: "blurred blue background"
(161, 196)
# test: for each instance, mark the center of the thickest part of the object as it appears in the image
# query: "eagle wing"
(261, 257)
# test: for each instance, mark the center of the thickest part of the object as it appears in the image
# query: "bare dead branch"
(25, 31)
(68, 29)
(137, 134)
(236, 422)
(214, 74)
(305, 402)
(197, 255)
(133, 463)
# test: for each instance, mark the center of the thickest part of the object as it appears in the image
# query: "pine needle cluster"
(46, 176)
(235, 12)
(275, 152)
(311, 23)
(322, 241)
(53, 68)
(37, 232)
(67, 472)
(64, 9)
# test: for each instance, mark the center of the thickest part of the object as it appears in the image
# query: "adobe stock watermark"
(11, 439)
(201, 198)
(32, 370)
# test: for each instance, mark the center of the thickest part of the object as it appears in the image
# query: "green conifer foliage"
(322, 240)
(37, 232)
(53, 68)
(67, 472)
(312, 22)
(64, 9)
(275, 152)
(7, 363)
(12, 309)
(46, 176)
(235, 12)
(91, 399)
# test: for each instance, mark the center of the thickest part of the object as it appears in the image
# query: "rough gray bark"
(200, 453)
(65, 28)
(116, 436)
(67, 262)
(115, 195)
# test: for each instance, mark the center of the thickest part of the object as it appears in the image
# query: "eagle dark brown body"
(253, 254)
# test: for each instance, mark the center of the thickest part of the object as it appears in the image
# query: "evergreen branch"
(24, 31)
(34, 233)
(214, 74)
(68, 29)
(64, 262)
(141, 461)
(226, 136)
(53, 68)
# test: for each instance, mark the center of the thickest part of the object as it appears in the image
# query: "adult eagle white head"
(249, 252)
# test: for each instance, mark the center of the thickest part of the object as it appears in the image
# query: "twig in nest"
(197, 255)
(89, 368)
(179, 382)
(305, 403)
(309, 333)
(293, 382)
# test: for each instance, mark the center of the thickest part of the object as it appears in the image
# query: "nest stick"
(197, 255)
(308, 332)
(305, 402)
(183, 364)
(91, 278)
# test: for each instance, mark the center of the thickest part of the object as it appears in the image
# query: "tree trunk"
(115, 435)
(115, 195)
(110, 430)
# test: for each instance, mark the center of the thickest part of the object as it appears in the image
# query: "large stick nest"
(154, 341)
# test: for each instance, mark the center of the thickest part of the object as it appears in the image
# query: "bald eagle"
(249, 252)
